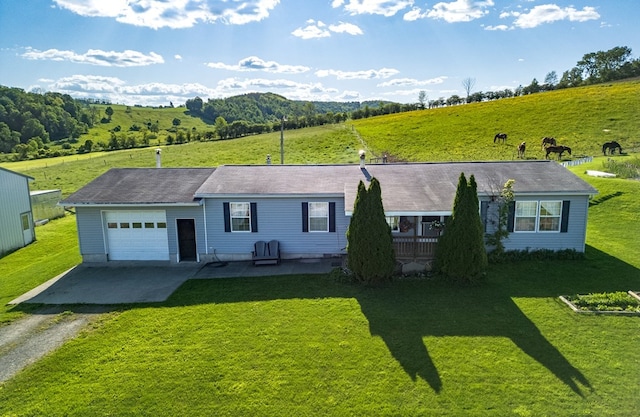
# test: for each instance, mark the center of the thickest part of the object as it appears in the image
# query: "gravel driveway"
(28, 339)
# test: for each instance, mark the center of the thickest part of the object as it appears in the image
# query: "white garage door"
(137, 235)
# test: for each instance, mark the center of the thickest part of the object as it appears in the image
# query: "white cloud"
(497, 27)
(177, 57)
(253, 63)
(118, 91)
(459, 10)
(358, 75)
(381, 7)
(412, 82)
(176, 14)
(549, 13)
(348, 28)
(125, 58)
(318, 29)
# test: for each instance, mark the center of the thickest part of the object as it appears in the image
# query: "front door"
(187, 239)
(27, 228)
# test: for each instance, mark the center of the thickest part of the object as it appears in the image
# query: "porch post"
(415, 238)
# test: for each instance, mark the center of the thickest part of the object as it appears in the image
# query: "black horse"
(500, 136)
(521, 148)
(611, 147)
(548, 142)
(557, 149)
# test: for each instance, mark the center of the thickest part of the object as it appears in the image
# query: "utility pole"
(284, 119)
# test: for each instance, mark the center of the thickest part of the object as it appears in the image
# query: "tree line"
(593, 68)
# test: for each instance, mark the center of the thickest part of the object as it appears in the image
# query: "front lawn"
(307, 345)
(311, 346)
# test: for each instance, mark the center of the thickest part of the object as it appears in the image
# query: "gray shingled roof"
(407, 188)
(134, 186)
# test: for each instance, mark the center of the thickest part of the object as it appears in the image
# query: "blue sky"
(152, 52)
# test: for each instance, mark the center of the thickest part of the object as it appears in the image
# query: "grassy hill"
(581, 118)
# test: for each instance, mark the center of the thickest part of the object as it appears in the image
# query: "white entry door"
(137, 235)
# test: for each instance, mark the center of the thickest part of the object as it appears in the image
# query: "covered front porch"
(415, 237)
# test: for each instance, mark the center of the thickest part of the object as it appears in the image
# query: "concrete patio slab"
(134, 283)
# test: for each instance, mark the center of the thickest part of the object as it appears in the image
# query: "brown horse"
(548, 141)
(557, 149)
(500, 136)
(521, 148)
(611, 147)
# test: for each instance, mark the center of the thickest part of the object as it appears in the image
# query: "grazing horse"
(500, 136)
(521, 148)
(557, 149)
(611, 147)
(548, 142)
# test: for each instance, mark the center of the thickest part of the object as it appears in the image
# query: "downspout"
(204, 219)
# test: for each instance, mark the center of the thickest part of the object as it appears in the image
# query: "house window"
(394, 223)
(240, 214)
(525, 216)
(25, 221)
(534, 216)
(550, 214)
(319, 217)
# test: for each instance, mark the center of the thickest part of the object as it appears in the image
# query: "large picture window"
(539, 216)
(240, 214)
(318, 217)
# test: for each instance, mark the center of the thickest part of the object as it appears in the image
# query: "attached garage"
(136, 235)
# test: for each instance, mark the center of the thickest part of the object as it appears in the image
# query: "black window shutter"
(332, 217)
(305, 217)
(254, 217)
(564, 225)
(227, 217)
(511, 217)
(484, 208)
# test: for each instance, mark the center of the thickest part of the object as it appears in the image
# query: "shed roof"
(16, 173)
(140, 186)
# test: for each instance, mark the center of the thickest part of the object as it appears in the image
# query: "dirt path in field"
(28, 339)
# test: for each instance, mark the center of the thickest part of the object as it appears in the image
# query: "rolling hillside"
(582, 118)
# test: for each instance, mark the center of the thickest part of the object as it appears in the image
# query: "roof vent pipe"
(362, 156)
(158, 160)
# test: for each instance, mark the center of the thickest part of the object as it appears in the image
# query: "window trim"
(562, 216)
(394, 223)
(247, 216)
(325, 205)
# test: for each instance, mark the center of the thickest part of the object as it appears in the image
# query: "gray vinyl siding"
(14, 201)
(280, 219)
(574, 238)
(91, 230)
(174, 213)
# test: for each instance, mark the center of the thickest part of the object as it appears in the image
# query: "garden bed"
(617, 303)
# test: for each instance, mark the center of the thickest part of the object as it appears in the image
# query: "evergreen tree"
(370, 251)
(461, 254)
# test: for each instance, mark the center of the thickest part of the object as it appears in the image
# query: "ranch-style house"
(206, 214)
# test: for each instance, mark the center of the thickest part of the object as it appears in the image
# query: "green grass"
(54, 251)
(581, 118)
(325, 144)
(308, 345)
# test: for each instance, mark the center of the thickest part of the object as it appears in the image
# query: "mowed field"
(311, 345)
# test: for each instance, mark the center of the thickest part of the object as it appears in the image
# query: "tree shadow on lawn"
(408, 310)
